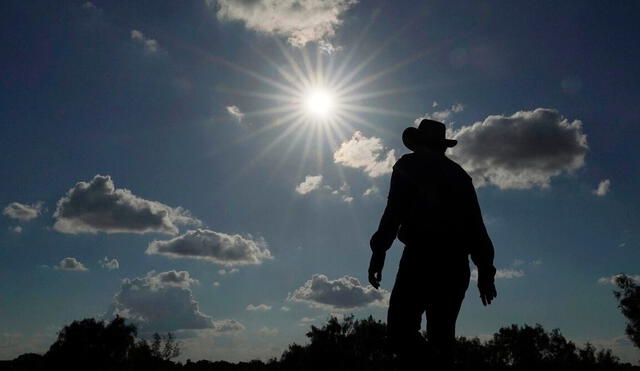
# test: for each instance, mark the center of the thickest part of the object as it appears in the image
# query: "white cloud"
(172, 278)
(285, 308)
(442, 115)
(517, 262)
(223, 272)
(603, 188)
(212, 246)
(89, 6)
(300, 21)
(365, 153)
(509, 273)
(23, 212)
(340, 294)
(258, 308)
(109, 264)
(16, 229)
(537, 262)
(373, 190)
(150, 45)
(307, 320)
(341, 193)
(621, 347)
(163, 302)
(70, 264)
(611, 280)
(311, 183)
(520, 151)
(235, 112)
(227, 326)
(215, 284)
(97, 206)
(268, 331)
(500, 274)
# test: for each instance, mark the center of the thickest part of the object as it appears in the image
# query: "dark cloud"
(520, 151)
(97, 206)
(162, 302)
(339, 294)
(70, 264)
(212, 246)
(23, 212)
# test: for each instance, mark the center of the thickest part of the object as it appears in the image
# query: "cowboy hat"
(429, 133)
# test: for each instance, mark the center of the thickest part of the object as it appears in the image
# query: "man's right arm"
(383, 238)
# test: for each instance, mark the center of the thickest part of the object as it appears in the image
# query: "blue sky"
(230, 160)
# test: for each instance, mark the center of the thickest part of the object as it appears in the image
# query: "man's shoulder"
(405, 160)
(457, 168)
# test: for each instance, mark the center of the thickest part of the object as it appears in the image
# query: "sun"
(319, 103)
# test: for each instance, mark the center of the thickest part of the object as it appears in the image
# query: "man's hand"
(487, 293)
(486, 285)
(375, 268)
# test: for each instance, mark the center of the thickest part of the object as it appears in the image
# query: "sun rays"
(311, 101)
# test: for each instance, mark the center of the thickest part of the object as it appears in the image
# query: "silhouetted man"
(432, 208)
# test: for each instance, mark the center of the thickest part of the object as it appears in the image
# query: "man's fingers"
(375, 278)
(484, 301)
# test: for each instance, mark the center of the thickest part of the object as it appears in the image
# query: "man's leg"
(442, 313)
(403, 327)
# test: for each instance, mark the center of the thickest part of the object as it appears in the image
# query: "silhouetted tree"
(170, 350)
(96, 345)
(629, 303)
(345, 344)
(339, 344)
(91, 343)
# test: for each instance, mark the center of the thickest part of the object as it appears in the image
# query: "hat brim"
(412, 139)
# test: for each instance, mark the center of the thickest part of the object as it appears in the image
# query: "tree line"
(339, 344)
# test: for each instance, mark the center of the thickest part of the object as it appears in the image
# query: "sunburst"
(317, 100)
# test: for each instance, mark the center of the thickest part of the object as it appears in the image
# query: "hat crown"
(432, 130)
(429, 133)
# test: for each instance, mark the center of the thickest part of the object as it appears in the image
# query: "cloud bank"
(97, 206)
(340, 294)
(163, 302)
(215, 247)
(520, 151)
(23, 212)
(300, 21)
(366, 153)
